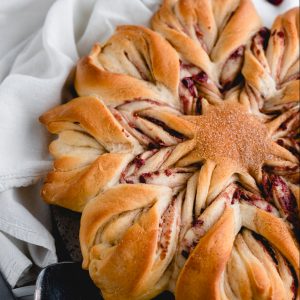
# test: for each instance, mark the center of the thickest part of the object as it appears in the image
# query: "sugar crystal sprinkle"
(228, 132)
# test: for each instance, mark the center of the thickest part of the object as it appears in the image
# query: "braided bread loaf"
(182, 153)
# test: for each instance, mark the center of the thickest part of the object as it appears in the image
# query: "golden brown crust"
(134, 64)
(193, 28)
(232, 176)
(83, 166)
(93, 217)
(201, 274)
(127, 256)
(92, 116)
(73, 189)
(167, 24)
(222, 263)
(279, 59)
(242, 28)
(91, 80)
(271, 67)
(275, 230)
(133, 244)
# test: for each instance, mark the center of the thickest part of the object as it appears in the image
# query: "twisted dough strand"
(158, 205)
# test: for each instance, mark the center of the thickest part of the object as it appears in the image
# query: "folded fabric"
(40, 43)
(24, 238)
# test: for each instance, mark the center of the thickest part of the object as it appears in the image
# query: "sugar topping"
(227, 132)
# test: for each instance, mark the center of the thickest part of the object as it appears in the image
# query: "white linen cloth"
(40, 42)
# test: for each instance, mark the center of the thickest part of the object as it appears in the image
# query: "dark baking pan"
(5, 290)
(67, 281)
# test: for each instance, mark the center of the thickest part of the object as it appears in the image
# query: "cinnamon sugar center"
(229, 132)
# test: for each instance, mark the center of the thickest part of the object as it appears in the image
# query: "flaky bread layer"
(130, 65)
(133, 251)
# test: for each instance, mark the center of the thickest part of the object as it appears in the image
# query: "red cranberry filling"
(152, 146)
(201, 77)
(165, 224)
(277, 190)
(168, 172)
(237, 53)
(291, 122)
(231, 74)
(266, 246)
(191, 78)
(189, 84)
(197, 223)
(241, 194)
(185, 254)
(262, 37)
(275, 2)
(269, 249)
(293, 146)
(280, 34)
(166, 128)
(138, 162)
(144, 176)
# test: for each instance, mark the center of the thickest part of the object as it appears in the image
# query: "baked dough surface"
(182, 153)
